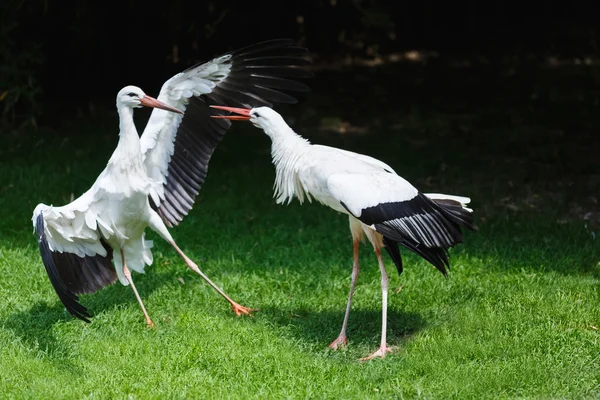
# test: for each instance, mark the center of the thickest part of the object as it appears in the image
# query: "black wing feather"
(71, 275)
(436, 256)
(394, 252)
(261, 74)
(424, 226)
(456, 213)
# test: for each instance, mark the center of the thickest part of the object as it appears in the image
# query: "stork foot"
(378, 354)
(150, 324)
(341, 341)
(239, 309)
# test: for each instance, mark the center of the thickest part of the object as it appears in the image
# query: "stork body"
(381, 205)
(152, 181)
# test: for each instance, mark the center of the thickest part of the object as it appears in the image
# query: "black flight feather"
(424, 226)
(394, 252)
(71, 275)
(260, 75)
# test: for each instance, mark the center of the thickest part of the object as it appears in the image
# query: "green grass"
(517, 318)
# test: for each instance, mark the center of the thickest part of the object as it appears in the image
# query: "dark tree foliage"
(51, 49)
(21, 59)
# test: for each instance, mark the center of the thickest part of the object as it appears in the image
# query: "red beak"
(244, 113)
(152, 102)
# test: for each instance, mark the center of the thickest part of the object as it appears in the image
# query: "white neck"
(287, 149)
(127, 153)
(127, 130)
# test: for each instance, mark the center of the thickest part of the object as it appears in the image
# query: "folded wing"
(403, 215)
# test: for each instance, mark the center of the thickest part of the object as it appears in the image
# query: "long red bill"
(152, 102)
(244, 113)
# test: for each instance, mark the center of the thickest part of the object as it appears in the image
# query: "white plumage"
(381, 205)
(158, 141)
(152, 181)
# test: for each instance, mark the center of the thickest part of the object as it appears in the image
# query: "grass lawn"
(517, 317)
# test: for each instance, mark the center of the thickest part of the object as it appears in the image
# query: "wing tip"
(392, 248)
(436, 256)
(69, 299)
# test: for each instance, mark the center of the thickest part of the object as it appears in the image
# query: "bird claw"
(380, 353)
(239, 310)
(341, 341)
(150, 325)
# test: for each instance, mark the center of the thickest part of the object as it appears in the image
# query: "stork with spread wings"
(153, 180)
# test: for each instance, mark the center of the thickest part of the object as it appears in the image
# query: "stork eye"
(131, 94)
(256, 115)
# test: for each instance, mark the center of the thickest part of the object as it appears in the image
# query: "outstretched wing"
(76, 258)
(397, 210)
(177, 148)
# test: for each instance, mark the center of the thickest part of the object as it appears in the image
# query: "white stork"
(153, 180)
(383, 206)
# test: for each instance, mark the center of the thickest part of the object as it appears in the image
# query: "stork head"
(262, 117)
(134, 97)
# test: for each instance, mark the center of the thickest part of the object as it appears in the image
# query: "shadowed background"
(457, 70)
(80, 53)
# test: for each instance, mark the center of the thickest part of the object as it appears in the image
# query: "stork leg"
(383, 349)
(237, 308)
(158, 226)
(127, 274)
(342, 339)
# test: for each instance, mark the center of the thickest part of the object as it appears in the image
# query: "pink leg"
(127, 274)
(238, 309)
(342, 339)
(383, 349)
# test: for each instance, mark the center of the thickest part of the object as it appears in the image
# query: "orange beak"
(152, 102)
(244, 113)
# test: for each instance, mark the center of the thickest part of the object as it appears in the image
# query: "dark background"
(60, 55)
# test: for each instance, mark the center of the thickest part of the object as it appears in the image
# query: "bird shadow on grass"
(320, 328)
(34, 329)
